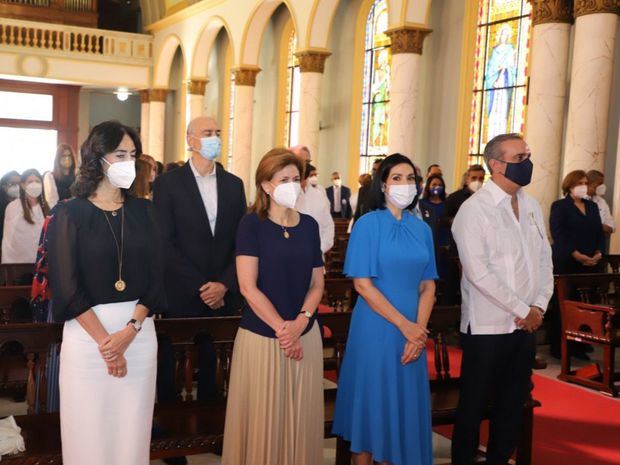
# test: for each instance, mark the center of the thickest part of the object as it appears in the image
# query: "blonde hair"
(272, 162)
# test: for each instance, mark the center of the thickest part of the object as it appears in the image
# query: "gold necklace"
(285, 232)
(119, 285)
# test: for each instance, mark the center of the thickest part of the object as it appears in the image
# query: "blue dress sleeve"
(247, 236)
(361, 258)
(430, 272)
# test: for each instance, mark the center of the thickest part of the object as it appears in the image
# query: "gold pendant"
(120, 285)
(286, 235)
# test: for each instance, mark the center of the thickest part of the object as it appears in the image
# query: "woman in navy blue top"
(275, 402)
(576, 228)
(432, 206)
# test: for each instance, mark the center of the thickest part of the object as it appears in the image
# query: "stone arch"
(255, 28)
(204, 45)
(161, 70)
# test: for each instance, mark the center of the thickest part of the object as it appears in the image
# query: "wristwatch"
(306, 313)
(135, 324)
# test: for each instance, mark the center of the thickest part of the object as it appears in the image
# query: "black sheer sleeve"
(154, 300)
(69, 295)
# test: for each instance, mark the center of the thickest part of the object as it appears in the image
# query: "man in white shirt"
(313, 200)
(506, 286)
(596, 191)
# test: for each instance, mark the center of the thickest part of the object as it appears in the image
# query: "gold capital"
(408, 39)
(589, 7)
(311, 61)
(551, 11)
(144, 96)
(196, 86)
(246, 76)
(158, 95)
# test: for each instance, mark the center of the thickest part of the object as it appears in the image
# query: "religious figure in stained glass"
(376, 87)
(500, 72)
(500, 79)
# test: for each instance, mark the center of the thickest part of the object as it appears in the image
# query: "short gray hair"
(493, 148)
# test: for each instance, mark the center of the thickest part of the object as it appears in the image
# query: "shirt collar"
(498, 194)
(197, 174)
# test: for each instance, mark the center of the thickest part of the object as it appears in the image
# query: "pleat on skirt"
(106, 420)
(274, 414)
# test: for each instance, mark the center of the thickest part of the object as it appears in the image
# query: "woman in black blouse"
(576, 228)
(105, 273)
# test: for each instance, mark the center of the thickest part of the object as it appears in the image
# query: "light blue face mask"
(210, 147)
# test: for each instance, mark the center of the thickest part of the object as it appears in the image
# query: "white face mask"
(313, 180)
(286, 194)
(401, 195)
(13, 191)
(122, 173)
(600, 190)
(580, 192)
(34, 189)
(474, 186)
(337, 182)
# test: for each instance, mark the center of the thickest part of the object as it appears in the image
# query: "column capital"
(312, 61)
(158, 95)
(246, 76)
(408, 39)
(145, 96)
(196, 86)
(589, 7)
(551, 11)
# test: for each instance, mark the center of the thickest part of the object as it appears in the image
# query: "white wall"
(175, 125)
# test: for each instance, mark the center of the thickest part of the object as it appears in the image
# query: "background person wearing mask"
(23, 220)
(57, 183)
(9, 191)
(431, 207)
(596, 191)
(363, 197)
(339, 198)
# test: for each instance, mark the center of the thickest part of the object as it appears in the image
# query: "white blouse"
(21, 239)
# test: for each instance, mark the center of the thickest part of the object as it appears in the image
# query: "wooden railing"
(70, 39)
(75, 12)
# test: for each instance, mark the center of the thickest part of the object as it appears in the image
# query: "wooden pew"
(192, 427)
(16, 274)
(339, 294)
(590, 310)
(15, 304)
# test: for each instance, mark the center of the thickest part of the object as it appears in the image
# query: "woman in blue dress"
(383, 403)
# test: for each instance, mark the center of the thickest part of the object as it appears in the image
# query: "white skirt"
(106, 420)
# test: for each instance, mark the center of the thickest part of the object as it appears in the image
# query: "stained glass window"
(376, 87)
(500, 72)
(231, 122)
(293, 89)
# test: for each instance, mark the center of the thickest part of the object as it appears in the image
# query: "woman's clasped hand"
(416, 336)
(289, 337)
(113, 348)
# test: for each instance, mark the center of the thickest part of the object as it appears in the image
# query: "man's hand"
(532, 321)
(212, 293)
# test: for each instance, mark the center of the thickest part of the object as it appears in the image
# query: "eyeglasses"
(520, 158)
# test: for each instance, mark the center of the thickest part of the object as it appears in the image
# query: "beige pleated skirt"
(274, 414)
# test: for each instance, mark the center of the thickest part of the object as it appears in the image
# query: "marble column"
(245, 80)
(195, 98)
(157, 123)
(145, 101)
(591, 79)
(614, 245)
(407, 43)
(544, 130)
(311, 66)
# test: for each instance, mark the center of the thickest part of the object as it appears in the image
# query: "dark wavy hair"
(103, 139)
(377, 196)
(427, 186)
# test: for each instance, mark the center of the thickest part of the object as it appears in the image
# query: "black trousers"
(496, 369)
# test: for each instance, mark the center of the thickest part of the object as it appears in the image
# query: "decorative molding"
(589, 7)
(145, 96)
(246, 76)
(158, 95)
(312, 61)
(552, 11)
(408, 39)
(196, 86)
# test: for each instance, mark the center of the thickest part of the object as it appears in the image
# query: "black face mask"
(519, 173)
